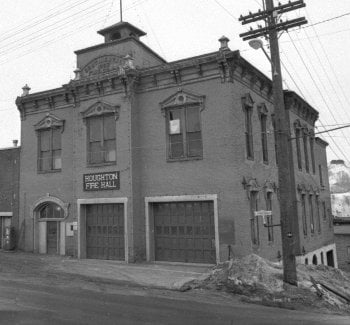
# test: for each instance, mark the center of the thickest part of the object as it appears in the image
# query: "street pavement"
(42, 289)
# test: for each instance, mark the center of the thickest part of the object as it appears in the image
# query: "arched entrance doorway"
(49, 225)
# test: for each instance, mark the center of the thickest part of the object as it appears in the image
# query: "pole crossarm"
(285, 25)
(262, 15)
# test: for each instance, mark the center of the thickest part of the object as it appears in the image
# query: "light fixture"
(257, 44)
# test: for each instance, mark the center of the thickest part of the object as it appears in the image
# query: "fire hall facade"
(142, 159)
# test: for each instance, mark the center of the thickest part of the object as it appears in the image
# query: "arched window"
(51, 210)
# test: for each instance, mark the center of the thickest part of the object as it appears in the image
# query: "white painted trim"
(5, 214)
(179, 198)
(123, 200)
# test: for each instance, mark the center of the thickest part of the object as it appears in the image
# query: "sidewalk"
(159, 275)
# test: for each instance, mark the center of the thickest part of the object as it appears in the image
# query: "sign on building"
(101, 181)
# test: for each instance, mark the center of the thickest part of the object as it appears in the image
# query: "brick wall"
(9, 183)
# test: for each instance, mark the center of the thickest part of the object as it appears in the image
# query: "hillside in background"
(339, 182)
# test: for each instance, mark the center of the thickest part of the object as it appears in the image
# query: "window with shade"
(184, 132)
(101, 139)
(49, 153)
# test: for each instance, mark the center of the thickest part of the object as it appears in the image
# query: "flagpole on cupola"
(121, 10)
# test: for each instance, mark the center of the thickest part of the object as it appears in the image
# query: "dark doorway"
(330, 258)
(52, 237)
(314, 260)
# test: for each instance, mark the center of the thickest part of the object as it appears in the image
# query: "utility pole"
(286, 176)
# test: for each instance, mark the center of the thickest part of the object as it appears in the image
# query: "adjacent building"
(9, 190)
(142, 159)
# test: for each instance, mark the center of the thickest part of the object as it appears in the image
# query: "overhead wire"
(33, 22)
(317, 87)
(46, 29)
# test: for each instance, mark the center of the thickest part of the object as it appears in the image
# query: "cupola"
(119, 31)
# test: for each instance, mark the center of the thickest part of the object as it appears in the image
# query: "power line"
(226, 10)
(327, 20)
(35, 23)
(312, 78)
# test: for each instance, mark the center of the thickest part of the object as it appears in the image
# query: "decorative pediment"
(100, 108)
(250, 185)
(262, 109)
(247, 100)
(49, 121)
(182, 97)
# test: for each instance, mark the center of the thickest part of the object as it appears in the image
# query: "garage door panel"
(105, 231)
(184, 231)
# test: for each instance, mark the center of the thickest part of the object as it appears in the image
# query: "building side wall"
(342, 242)
(222, 168)
(9, 184)
(309, 183)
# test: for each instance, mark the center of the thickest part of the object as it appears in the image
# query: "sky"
(38, 39)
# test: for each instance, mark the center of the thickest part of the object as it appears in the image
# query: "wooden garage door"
(105, 231)
(184, 232)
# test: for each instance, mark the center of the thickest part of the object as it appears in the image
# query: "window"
(324, 210)
(303, 211)
(263, 120)
(184, 132)
(312, 222)
(306, 153)
(49, 153)
(297, 141)
(318, 214)
(249, 131)
(254, 224)
(312, 155)
(320, 174)
(51, 211)
(101, 139)
(269, 218)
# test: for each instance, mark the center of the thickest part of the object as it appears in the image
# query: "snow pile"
(259, 280)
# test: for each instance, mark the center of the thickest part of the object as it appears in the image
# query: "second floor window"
(263, 122)
(312, 153)
(249, 132)
(297, 142)
(49, 157)
(101, 139)
(306, 153)
(184, 132)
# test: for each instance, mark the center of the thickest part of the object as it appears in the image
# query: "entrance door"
(105, 231)
(52, 237)
(184, 232)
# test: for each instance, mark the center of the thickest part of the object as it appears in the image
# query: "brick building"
(9, 189)
(142, 159)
